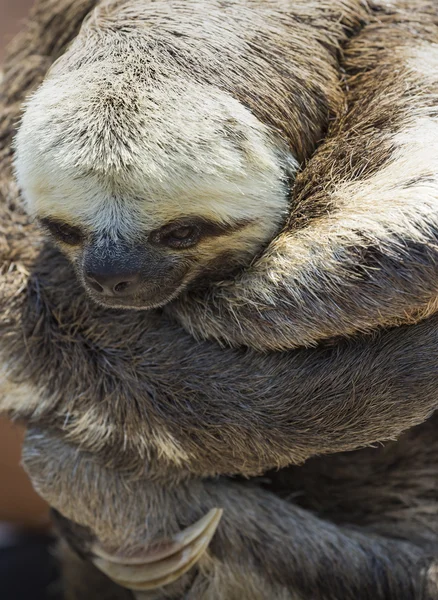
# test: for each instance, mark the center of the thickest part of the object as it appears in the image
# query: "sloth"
(202, 411)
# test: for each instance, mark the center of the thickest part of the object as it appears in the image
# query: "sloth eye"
(182, 233)
(176, 236)
(67, 234)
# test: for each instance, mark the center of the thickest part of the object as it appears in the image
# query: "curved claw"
(163, 565)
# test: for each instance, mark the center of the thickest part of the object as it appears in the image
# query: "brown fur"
(127, 413)
(296, 97)
(134, 56)
(341, 265)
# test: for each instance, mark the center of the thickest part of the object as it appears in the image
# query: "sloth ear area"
(283, 154)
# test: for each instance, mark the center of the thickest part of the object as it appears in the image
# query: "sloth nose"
(108, 283)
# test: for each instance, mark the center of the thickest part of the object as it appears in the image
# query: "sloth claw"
(164, 564)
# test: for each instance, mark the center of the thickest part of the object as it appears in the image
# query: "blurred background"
(27, 567)
(12, 13)
(18, 503)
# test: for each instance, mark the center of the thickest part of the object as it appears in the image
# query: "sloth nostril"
(94, 285)
(121, 287)
(107, 283)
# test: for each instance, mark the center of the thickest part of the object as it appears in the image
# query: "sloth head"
(151, 184)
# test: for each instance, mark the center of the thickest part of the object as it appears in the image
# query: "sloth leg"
(265, 547)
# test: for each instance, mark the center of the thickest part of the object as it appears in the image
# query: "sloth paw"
(163, 563)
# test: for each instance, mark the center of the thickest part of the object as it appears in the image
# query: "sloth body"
(144, 416)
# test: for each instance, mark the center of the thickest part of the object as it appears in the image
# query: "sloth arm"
(360, 249)
(230, 410)
(144, 386)
(264, 547)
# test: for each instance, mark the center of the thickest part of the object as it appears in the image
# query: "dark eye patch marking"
(187, 232)
(63, 232)
(179, 234)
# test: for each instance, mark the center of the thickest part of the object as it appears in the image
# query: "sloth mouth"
(147, 293)
(140, 301)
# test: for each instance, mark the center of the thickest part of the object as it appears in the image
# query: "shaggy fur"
(361, 254)
(127, 414)
(376, 539)
(139, 128)
(360, 246)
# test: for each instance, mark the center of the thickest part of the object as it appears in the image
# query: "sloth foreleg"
(360, 250)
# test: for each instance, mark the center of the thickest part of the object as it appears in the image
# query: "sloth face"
(149, 189)
(149, 271)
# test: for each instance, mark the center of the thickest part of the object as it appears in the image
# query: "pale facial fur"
(118, 159)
